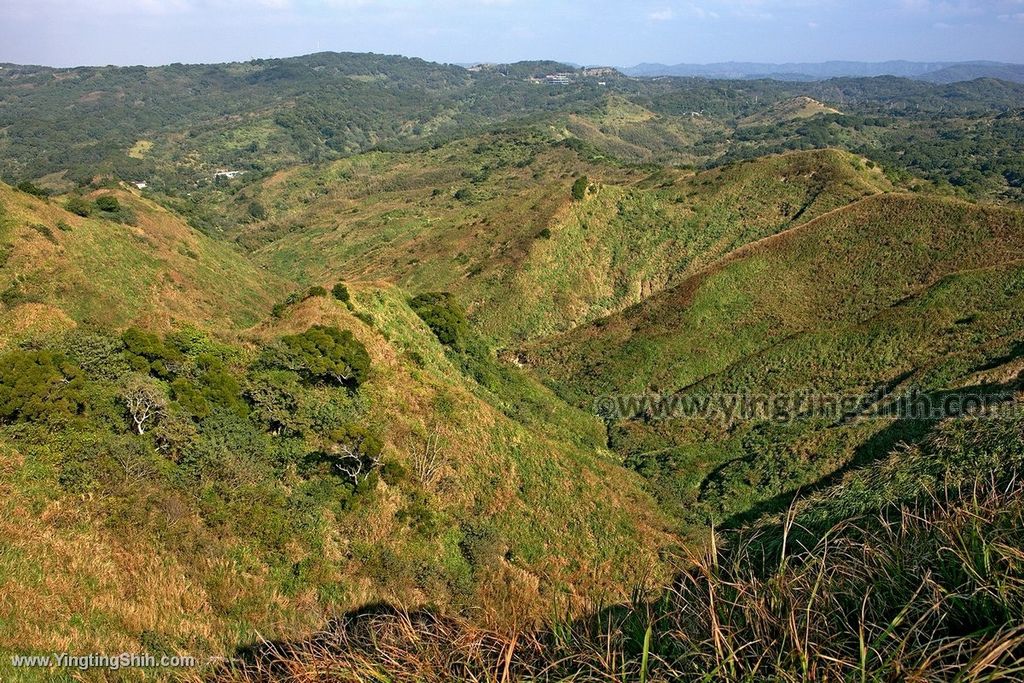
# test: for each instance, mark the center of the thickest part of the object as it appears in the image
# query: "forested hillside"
(175, 126)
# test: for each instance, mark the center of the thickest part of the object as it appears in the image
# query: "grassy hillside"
(838, 270)
(138, 265)
(228, 521)
(507, 237)
(789, 110)
(926, 586)
(377, 370)
(891, 293)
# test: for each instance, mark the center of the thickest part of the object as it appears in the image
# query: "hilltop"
(138, 264)
(501, 232)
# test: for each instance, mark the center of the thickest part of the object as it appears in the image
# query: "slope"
(225, 524)
(59, 270)
(891, 294)
(503, 233)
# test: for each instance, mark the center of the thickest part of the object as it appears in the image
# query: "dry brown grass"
(932, 593)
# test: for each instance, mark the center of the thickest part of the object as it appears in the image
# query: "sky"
(591, 32)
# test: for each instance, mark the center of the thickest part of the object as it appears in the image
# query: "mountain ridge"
(937, 72)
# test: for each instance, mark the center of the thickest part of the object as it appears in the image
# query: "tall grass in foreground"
(934, 592)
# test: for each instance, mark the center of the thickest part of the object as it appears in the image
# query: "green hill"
(353, 366)
(140, 264)
(227, 521)
(891, 292)
(175, 126)
(506, 236)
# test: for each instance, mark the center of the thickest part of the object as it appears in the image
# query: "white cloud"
(666, 14)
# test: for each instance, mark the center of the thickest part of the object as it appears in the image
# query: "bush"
(274, 396)
(579, 188)
(325, 355)
(99, 356)
(257, 211)
(444, 317)
(340, 292)
(78, 206)
(146, 352)
(108, 204)
(358, 452)
(545, 233)
(45, 231)
(315, 291)
(33, 189)
(38, 385)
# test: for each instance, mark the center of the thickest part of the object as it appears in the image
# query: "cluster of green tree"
(106, 206)
(31, 188)
(974, 156)
(212, 426)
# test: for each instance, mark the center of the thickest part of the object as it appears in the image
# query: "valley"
(347, 399)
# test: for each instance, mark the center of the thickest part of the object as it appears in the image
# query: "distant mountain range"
(934, 72)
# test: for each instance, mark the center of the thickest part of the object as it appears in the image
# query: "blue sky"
(66, 32)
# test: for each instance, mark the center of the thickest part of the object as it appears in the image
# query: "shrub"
(316, 290)
(146, 352)
(257, 211)
(78, 206)
(340, 292)
(545, 233)
(108, 204)
(274, 396)
(444, 317)
(324, 354)
(98, 355)
(31, 188)
(45, 231)
(579, 188)
(38, 385)
(356, 453)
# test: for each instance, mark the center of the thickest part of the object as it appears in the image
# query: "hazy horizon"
(153, 32)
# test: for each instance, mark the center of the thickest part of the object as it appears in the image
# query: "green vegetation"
(341, 293)
(323, 354)
(579, 188)
(444, 318)
(935, 594)
(36, 386)
(783, 315)
(237, 409)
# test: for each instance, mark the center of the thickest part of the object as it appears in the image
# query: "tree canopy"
(326, 355)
